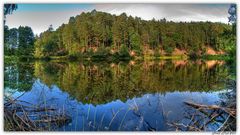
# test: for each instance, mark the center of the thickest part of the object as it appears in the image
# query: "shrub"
(89, 52)
(72, 57)
(123, 52)
(102, 52)
(157, 53)
(169, 50)
(193, 55)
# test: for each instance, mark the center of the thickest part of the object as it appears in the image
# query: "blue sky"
(51, 7)
(40, 16)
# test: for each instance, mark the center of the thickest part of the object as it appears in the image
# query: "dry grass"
(201, 117)
(23, 116)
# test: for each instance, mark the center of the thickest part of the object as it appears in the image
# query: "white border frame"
(110, 1)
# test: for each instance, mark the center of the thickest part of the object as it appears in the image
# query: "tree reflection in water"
(119, 96)
(104, 82)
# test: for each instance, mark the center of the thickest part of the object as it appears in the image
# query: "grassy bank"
(175, 57)
(216, 57)
(117, 57)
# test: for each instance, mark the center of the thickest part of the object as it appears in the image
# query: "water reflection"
(147, 112)
(18, 77)
(103, 82)
(118, 96)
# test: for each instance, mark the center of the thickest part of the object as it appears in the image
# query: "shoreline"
(112, 58)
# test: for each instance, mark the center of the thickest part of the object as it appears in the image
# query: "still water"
(124, 96)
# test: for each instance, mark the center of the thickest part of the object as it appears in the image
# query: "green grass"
(216, 57)
(115, 58)
(177, 57)
(58, 57)
(13, 58)
(10, 59)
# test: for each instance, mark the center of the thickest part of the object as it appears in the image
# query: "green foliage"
(99, 31)
(193, 56)
(89, 52)
(217, 57)
(102, 52)
(135, 42)
(72, 56)
(157, 53)
(19, 41)
(228, 41)
(102, 82)
(25, 40)
(10, 41)
(18, 75)
(169, 45)
(123, 52)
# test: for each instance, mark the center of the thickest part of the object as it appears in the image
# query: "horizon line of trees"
(103, 33)
(95, 29)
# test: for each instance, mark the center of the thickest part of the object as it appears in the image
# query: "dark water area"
(124, 96)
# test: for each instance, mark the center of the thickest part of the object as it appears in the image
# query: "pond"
(123, 96)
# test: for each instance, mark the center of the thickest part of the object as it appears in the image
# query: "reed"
(29, 117)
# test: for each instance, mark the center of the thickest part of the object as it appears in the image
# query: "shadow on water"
(132, 96)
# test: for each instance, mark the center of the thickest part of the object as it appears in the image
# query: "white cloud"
(174, 12)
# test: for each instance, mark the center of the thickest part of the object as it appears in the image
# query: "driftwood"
(19, 117)
(230, 111)
(203, 116)
(17, 122)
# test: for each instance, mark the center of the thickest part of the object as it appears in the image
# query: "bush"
(169, 50)
(157, 53)
(72, 57)
(193, 55)
(138, 52)
(123, 52)
(89, 52)
(61, 53)
(102, 52)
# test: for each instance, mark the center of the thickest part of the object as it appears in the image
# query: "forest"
(98, 34)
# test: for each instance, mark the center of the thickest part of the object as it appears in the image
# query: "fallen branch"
(31, 118)
(230, 111)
